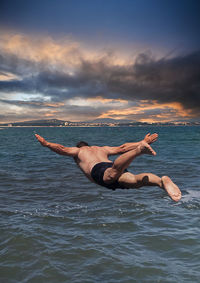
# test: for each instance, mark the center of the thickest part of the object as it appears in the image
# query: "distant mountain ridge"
(45, 121)
(109, 120)
(57, 122)
(48, 122)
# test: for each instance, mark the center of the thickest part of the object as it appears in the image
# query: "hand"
(151, 138)
(41, 140)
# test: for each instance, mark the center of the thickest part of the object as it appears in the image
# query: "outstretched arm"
(58, 148)
(130, 146)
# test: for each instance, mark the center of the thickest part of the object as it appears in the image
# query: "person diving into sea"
(95, 164)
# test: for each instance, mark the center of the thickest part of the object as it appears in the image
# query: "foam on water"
(191, 195)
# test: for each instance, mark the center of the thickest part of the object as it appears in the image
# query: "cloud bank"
(41, 77)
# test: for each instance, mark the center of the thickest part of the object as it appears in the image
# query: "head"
(81, 144)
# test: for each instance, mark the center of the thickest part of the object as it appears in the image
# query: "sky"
(80, 60)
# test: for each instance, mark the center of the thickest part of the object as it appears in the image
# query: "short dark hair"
(82, 143)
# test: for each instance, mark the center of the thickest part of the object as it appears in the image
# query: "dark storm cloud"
(166, 80)
(34, 104)
(17, 86)
(171, 80)
(16, 65)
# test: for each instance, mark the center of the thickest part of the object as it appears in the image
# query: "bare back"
(89, 156)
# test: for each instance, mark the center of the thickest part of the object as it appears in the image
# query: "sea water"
(56, 226)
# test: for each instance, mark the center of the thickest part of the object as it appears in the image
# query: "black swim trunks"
(98, 172)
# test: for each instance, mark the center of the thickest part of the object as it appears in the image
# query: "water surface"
(56, 226)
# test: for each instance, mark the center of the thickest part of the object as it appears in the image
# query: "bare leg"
(124, 160)
(136, 181)
(147, 179)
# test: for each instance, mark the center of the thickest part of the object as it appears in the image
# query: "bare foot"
(146, 148)
(151, 138)
(172, 189)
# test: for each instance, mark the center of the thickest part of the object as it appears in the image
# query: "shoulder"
(72, 151)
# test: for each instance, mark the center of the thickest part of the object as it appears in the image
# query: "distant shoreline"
(95, 123)
(118, 126)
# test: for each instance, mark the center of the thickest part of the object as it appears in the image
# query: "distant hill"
(49, 122)
(109, 120)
